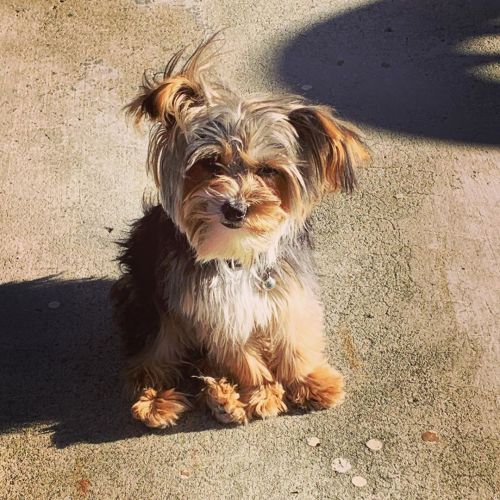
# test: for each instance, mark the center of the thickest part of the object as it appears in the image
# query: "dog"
(218, 278)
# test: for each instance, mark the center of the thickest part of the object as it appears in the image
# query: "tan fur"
(224, 401)
(265, 401)
(244, 363)
(320, 389)
(258, 394)
(159, 410)
(299, 334)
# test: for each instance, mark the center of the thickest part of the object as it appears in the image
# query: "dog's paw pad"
(159, 410)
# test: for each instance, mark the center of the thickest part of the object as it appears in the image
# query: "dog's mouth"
(232, 225)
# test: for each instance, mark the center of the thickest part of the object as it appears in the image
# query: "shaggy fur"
(219, 277)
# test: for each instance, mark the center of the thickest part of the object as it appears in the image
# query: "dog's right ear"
(171, 100)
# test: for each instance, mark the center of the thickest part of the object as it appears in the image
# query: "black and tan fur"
(219, 276)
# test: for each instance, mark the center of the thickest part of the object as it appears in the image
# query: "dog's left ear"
(330, 147)
(168, 102)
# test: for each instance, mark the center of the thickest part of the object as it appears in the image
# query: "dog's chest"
(228, 306)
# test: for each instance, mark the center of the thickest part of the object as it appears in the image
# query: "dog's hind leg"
(299, 361)
(153, 373)
(153, 348)
(153, 339)
(159, 409)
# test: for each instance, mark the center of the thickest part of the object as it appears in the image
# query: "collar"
(233, 264)
(266, 278)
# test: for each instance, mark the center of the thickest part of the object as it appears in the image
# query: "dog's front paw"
(224, 401)
(322, 388)
(265, 401)
(159, 410)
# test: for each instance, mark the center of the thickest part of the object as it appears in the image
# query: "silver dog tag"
(269, 282)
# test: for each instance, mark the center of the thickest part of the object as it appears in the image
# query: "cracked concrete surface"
(408, 264)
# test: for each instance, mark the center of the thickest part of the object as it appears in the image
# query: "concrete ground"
(409, 264)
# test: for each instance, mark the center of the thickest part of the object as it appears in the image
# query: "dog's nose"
(234, 211)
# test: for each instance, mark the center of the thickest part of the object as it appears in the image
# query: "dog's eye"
(266, 171)
(212, 166)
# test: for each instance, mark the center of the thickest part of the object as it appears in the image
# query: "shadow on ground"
(61, 367)
(403, 66)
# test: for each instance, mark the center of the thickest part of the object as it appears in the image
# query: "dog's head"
(236, 174)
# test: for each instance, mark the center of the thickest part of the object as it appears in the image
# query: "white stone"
(313, 441)
(359, 481)
(374, 444)
(341, 465)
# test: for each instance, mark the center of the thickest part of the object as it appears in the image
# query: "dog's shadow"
(60, 364)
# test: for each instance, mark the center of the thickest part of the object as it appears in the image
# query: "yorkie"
(219, 275)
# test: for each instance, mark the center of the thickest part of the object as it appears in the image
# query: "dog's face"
(237, 174)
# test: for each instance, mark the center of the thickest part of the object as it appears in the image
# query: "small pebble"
(54, 304)
(83, 486)
(306, 87)
(341, 465)
(185, 474)
(313, 441)
(358, 481)
(374, 444)
(430, 437)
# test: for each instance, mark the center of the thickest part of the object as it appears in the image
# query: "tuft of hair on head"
(329, 146)
(180, 88)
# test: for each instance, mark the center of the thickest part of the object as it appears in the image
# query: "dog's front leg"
(254, 392)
